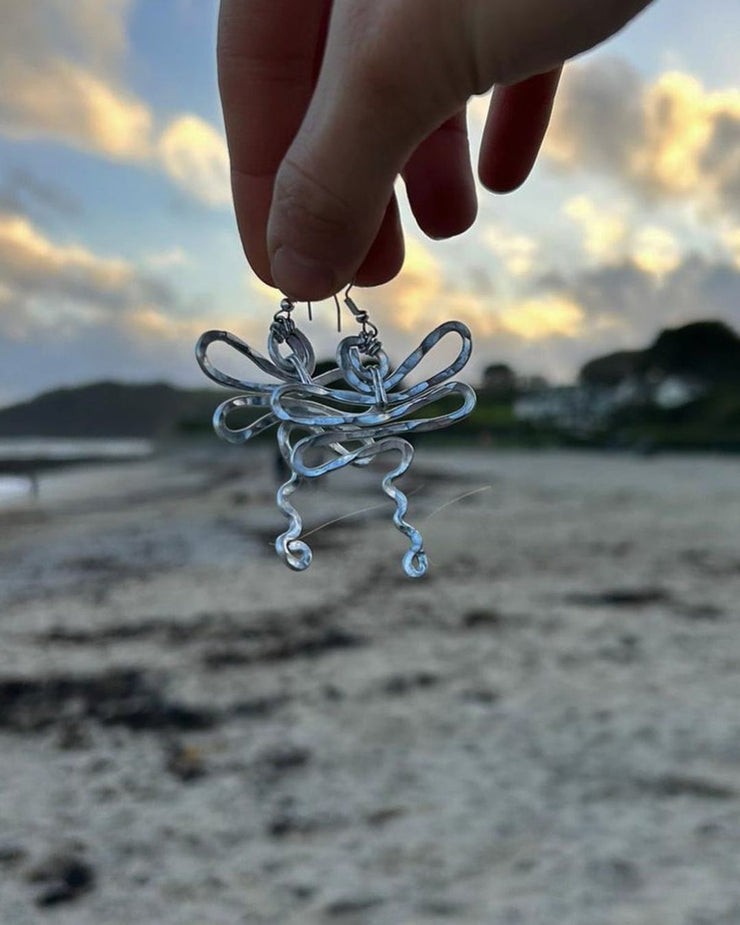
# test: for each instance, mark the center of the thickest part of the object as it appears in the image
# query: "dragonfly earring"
(367, 416)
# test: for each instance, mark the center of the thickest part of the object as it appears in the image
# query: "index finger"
(269, 55)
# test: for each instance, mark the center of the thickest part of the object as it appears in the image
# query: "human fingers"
(379, 94)
(269, 54)
(517, 120)
(439, 180)
(385, 258)
(392, 73)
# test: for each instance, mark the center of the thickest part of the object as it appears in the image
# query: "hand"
(327, 103)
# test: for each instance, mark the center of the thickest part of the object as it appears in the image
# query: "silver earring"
(311, 414)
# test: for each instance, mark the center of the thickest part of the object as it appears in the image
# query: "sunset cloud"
(669, 139)
(516, 251)
(70, 314)
(730, 238)
(424, 296)
(611, 236)
(47, 281)
(72, 105)
(656, 251)
(543, 317)
(604, 229)
(61, 79)
(194, 155)
(696, 287)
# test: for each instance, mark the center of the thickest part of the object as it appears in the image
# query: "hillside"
(110, 409)
(707, 351)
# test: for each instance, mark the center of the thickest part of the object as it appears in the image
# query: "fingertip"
(302, 277)
(515, 128)
(384, 260)
(439, 181)
(505, 183)
(440, 227)
(251, 197)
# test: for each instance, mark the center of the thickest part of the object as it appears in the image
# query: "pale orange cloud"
(604, 228)
(71, 104)
(28, 257)
(655, 250)
(730, 238)
(81, 100)
(516, 251)
(421, 298)
(60, 66)
(45, 281)
(671, 138)
(194, 155)
(543, 317)
(610, 236)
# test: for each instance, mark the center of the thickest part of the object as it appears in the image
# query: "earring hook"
(339, 314)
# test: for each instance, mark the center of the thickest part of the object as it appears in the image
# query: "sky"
(118, 245)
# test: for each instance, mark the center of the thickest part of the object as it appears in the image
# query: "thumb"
(382, 89)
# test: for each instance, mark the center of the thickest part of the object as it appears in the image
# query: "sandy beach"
(544, 731)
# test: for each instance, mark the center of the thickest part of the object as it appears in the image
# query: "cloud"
(47, 283)
(422, 297)
(23, 191)
(611, 237)
(598, 117)
(604, 230)
(61, 78)
(730, 239)
(59, 65)
(636, 303)
(70, 104)
(528, 329)
(543, 317)
(68, 314)
(90, 31)
(516, 251)
(174, 257)
(553, 325)
(669, 139)
(194, 155)
(656, 251)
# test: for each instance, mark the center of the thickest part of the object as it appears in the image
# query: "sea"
(26, 450)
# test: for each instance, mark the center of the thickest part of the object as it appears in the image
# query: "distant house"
(499, 380)
(674, 392)
(571, 407)
(585, 408)
(681, 365)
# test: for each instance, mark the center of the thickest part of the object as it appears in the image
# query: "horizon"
(477, 383)
(118, 245)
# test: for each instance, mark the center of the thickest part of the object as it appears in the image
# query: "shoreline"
(542, 729)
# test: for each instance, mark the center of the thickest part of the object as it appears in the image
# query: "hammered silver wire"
(312, 415)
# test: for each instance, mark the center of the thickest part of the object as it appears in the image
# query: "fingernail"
(301, 277)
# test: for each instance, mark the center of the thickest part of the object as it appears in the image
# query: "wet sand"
(544, 730)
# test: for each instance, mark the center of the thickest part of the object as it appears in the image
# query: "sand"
(545, 730)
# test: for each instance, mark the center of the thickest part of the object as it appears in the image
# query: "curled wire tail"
(415, 562)
(294, 552)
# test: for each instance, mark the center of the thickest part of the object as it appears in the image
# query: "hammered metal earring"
(368, 416)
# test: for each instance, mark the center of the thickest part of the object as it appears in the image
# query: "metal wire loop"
(282, 327)
(369, 344)
(348, 415)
